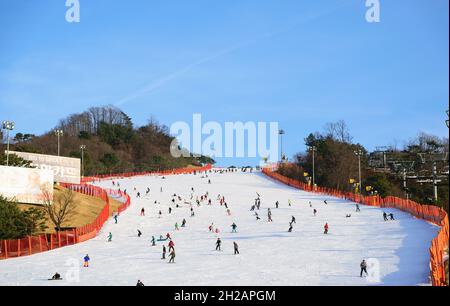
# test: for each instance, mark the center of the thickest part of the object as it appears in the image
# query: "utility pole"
(58, 134)
(313, 151)
(82, 147)
(281, 133)
(405, 187)
(435, 183)
(359, 153)
(8, 126)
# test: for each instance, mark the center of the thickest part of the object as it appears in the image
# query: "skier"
(160, 214)
(209, 182)
(228, 212)
(293, 220)
(236, 248)
(211, 227)
(153, 241)
(170, 210)
(363, 266)
(290, 203)
(218, 243)
(183, 223)
(290, 228)
(138, 195)
(233, 227)
(325, 201)
(115, 218)
(257, 216)
(277, 204)
(357, 208)
(310, 204)
(171, 246)
(385, 216)
(176, 226)
(391, 216)
(348, 216)
(326, 228)
(110, 237)
(172, 256)
(86, 261)
(315, 212)
(192, 212)
(140, 284)
(142, 212)
(164, 252)
(269, 215)
(139, 233)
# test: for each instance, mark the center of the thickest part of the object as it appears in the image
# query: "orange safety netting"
(45, 242)
(433, 214)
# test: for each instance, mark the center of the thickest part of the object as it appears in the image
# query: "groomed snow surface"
(269, 255)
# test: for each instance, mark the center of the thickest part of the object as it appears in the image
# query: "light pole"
(8, 126)
(359, 153)
(313, 150)
(447, 121)
(58, 134)
(82, 148)
(281, 133)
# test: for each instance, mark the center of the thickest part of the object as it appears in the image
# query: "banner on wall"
(26, 185)
(65, 169)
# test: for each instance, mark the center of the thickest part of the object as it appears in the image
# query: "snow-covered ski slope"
(269, 255)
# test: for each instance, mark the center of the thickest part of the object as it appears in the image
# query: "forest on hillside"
(336, 165)
(113, 144)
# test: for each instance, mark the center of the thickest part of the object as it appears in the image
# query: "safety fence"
(46, 242)
(434, 214)
(97, 178)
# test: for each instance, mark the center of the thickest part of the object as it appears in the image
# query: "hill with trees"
(113, 144)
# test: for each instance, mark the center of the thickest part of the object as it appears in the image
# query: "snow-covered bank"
(269, 254)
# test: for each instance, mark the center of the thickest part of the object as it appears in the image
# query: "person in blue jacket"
(86, 261)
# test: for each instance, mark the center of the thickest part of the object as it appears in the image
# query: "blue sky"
(301, 63)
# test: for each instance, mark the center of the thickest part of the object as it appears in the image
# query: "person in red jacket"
(171, 245)
(326, 228)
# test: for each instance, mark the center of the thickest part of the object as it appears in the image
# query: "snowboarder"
(236, 248)
(110, 237)
(269, 215)
(326, 229)
(171, 246)
(172, 256)
(233, 227)
(86, 260)
(164, 252)
(57, 276)
(363, 266)
(218, 244)
(140, 284)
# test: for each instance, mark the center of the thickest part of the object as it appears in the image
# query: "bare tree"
(338, 131)
(61, 208)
